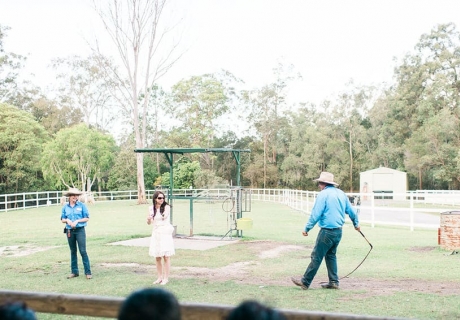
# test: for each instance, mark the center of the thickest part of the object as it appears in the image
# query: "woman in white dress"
(161, 242)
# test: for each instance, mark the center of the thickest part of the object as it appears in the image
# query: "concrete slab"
(182, 242)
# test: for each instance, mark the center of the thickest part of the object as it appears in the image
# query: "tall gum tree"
(347, 117)
(10, 65)
(307, 144)
(83, 85)
(134, 28)
(423, 110)
(266, 107)
(198, 102)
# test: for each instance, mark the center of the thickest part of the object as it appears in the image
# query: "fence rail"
(419, 208)
(107, 307)
(25, 200)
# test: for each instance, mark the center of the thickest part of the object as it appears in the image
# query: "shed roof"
(384, 170)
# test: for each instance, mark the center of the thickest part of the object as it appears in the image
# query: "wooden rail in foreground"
(107, 307)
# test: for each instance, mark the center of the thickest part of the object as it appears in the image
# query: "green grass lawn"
(406, 275)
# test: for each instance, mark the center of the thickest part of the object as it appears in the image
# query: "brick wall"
(449, 237)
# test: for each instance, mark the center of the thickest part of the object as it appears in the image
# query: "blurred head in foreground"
(16, 311)
(253, 310)
(150, 303)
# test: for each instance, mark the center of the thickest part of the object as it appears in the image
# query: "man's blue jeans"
(325, 248)
(78, 236)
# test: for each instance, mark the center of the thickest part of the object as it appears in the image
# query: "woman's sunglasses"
(160, 198)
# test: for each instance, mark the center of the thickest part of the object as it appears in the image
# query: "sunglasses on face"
(161, 198)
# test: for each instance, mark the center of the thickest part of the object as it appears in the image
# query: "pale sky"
(328, 42)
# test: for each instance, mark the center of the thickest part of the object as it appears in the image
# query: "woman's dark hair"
(253, 310)
(163, 205)
(16, 311)
(150, 303)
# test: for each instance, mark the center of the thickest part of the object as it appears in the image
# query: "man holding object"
(329, 211)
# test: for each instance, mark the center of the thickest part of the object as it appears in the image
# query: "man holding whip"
(329, 211)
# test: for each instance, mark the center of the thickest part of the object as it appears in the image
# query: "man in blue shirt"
(75, 215)
(329, 211)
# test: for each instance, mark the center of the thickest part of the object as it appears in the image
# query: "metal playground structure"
(237, 201)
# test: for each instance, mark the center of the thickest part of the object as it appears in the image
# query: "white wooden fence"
(419, 208)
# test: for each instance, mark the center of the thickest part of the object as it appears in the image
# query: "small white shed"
(385, 182)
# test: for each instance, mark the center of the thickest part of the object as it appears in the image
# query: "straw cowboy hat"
(73, 192)
(326, 177)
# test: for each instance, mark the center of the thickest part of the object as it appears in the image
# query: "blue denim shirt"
(79, 211)
(330, 208)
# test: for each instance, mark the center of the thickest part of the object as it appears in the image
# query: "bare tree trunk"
(420, 178)
(134, 28)
(140, 179)
(265, 159)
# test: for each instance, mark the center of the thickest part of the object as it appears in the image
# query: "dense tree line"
(69, 140)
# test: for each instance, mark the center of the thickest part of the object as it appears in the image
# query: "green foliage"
(150, 172)
(77, 154)
(198, 102)
(53, 116)
(21, 140)
(225, 164)
(185, 172)
(261, 175)
(122, 175)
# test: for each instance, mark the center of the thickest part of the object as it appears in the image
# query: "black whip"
(363, 259)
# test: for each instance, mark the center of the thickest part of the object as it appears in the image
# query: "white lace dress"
(161, 242)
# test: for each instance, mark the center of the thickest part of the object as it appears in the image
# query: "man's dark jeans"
(78, 236)
(325, 248)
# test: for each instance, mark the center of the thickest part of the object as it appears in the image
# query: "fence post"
(411, 212)
(372, 210)
(308, 201)
(301, 201)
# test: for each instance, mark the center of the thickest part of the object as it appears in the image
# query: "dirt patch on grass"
(265, 249)
(421, 249)
(20, 251)
(375, 287)
(234, 271)
(120, 265)
(243, 272)
(278, 250)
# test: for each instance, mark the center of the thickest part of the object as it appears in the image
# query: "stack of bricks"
(449, 231)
